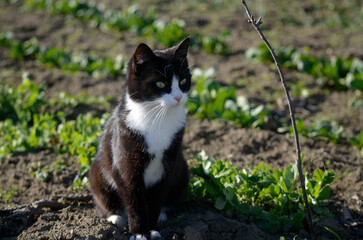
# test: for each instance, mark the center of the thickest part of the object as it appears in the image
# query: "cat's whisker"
(133, 93)
(162, 117)
(193, 100)
(181, 65)
(187, 68)
(155, 114)
(157, 71)
(151, 113)
(164, 110)
(158, 118)
(166, 67)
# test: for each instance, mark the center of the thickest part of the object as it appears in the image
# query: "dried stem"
(256, 24)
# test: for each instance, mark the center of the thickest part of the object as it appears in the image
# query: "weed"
(357, 141)
(339, 73)
(166, 32)
(54, 57)
(7, 195)
(319, 129)
(212, 101)
(270, 198)
(334, 233)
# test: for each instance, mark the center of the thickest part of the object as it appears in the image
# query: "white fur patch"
(138, 237)
(155, 235)
(158, 121)
(119, 221)
(162, 217)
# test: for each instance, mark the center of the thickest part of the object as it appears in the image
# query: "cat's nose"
(178, 98)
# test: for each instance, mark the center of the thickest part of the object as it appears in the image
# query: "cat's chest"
(157, 142)
(158, 135)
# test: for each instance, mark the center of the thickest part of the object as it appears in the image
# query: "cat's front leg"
(154, 235)
(132, 190)
(155, 197)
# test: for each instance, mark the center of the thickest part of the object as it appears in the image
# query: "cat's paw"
(162, 217)
(154, 235)
(137, 237)
(119, 221)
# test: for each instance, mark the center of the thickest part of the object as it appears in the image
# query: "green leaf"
(288, 177)
(319, 175)
(324, 193)
(357, 84)
(220, 203)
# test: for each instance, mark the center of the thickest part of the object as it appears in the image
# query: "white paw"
(162, 217)
(138, 237)
(119, 221)
(154, 235)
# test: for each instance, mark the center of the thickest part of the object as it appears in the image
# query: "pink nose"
(178, 98)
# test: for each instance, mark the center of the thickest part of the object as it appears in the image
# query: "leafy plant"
(20, 103)
(211, 100)
(41, 129)
(44, 172)
(340, 73)
(357, 141)
(168, 33)
(270, 198)
(131, 19)
(215, 44)
(7, 195)
(319, 129)
(54, 57)
(332, 232)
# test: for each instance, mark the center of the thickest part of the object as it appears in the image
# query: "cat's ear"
(181, 51)
(142, 55)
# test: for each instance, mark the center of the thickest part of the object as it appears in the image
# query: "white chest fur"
(158, 122)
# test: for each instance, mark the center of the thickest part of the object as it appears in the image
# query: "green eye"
(160, 84)
(184, 81)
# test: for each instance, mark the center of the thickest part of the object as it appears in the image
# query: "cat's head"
(160, 75)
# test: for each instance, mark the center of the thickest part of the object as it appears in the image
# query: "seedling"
(269, 197)
(211, 100)
(338, 73)
(7, 195)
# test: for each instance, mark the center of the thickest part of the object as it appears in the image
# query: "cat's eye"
(184, 81)
(160, 84)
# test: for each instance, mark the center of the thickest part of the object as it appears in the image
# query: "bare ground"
(76, 219)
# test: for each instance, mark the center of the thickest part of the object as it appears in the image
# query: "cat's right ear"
(142, 55)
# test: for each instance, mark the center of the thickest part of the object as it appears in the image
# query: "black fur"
(122, 153)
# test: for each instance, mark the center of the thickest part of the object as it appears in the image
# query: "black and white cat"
(139, 166)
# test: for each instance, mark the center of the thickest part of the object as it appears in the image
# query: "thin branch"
(256, 24)
(73, 199)
(36, 208)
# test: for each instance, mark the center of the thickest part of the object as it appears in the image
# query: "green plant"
(211, 100)
(357, 141)
(169, 33)
(270, 198)
(339, 73)
(29, 129)
(54, 57)
(215, 44)
(319, 129)
(19, 104)
(166, 32)
(80, 183)
(7, 195)
(44, 172)
(332, 232)
(98, 16)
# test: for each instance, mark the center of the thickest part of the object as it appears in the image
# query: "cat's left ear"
(181, 51)
(142, 55)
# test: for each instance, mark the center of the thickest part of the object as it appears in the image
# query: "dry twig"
(256, 24)
(36, 208)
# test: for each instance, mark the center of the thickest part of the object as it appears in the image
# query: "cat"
(139, 165)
